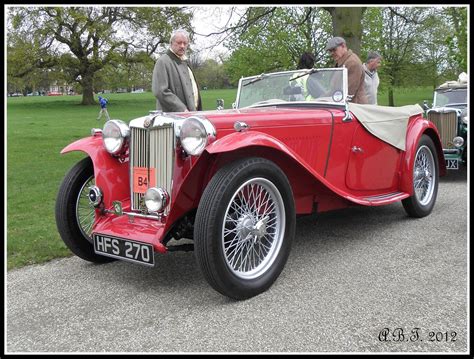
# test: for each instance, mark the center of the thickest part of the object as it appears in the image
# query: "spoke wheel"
(244, 227)
(425, 180)
(253, 228)
(74, 215)
(85, 212)
(423, 175)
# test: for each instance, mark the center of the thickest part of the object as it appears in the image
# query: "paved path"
(351, 273)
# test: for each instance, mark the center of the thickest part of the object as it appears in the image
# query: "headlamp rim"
(124, 131)
(209, 133)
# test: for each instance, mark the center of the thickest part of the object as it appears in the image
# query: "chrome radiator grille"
(447, 125)
(151, 161)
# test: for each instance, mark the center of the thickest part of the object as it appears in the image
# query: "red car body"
(233, 181)
(312, 146)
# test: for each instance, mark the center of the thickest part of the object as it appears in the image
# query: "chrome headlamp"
(195, 134)
(114, 135)
(156, 199)
(458, 141)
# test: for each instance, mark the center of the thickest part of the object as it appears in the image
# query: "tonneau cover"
(385, 122)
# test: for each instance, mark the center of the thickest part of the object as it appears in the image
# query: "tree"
(211, 75)
(94, 37)
(347, 23)
(433, 50)
(401, 36)
(277, 37)
(457, 40)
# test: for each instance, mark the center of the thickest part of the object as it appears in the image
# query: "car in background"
(449, 113)
(138, 91)
(233, 181)
(16, 94)
(55, 93)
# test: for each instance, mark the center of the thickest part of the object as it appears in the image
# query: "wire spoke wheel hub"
(423, 175)
(253, 228)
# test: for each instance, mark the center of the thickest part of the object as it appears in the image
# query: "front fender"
(111, 176)
(414, 133)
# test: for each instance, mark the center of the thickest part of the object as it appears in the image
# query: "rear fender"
(111, 176)
(414, 133)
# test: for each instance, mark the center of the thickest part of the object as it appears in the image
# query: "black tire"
(75, 236)
(262, 237)
(425, 180)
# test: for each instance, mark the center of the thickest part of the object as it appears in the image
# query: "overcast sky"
(210, 19)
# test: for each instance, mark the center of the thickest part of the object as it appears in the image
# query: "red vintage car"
(231, 182)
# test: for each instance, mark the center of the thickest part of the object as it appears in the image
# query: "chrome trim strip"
(382, 196)
(449, 151)
(148, 216)
(154, 216)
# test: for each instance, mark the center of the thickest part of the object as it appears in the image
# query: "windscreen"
(314, 85)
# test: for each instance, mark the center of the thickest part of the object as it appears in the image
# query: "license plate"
(124, 249)
(452, 164)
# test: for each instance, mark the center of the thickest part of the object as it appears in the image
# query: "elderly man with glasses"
(173, 82)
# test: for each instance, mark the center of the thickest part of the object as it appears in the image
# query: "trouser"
(102, 112)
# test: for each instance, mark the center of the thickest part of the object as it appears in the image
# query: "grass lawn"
(38, 128)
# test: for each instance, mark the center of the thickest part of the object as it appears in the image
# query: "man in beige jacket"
(355, 71)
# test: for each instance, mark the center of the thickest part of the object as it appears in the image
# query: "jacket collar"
(368, 72)
(344, 58)
(175, 57)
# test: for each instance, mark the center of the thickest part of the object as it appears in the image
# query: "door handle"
(356, 149)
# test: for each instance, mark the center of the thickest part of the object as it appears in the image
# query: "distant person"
(306, 61)
(103, 108)
(173, 82)
(371, 76)
(355, 71)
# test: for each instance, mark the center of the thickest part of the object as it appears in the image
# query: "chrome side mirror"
(220, 104)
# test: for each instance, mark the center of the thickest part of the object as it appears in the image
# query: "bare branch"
(404, 17)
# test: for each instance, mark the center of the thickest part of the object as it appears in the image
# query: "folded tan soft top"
(385, 122)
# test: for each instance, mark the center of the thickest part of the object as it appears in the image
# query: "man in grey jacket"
(173, 82)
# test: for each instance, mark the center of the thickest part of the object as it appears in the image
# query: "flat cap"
(335, 42)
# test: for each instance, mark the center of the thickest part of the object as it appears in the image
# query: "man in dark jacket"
(355, 71)
(173, 82)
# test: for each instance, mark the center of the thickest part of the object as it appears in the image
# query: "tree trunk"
(88, 90)
(391, 101)
(347, 23)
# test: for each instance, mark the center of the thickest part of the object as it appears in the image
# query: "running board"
(380, 199)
